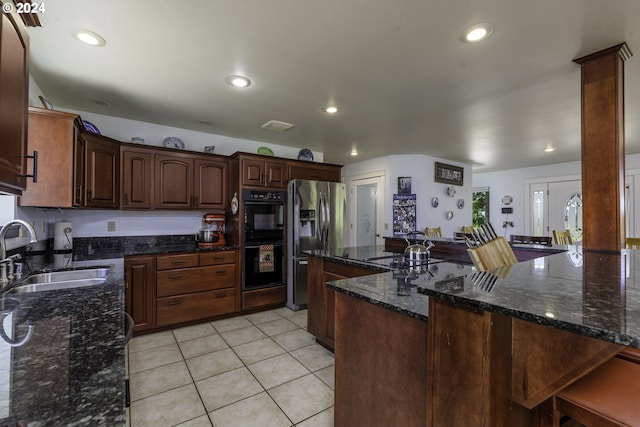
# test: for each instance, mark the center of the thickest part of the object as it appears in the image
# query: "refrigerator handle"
(325, 220)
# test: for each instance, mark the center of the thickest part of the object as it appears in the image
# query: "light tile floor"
(261, 369)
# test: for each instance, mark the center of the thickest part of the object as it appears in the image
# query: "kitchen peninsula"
(461, 347)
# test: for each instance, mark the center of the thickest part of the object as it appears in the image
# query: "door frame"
(378, 177)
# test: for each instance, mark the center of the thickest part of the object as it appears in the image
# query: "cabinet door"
(252, 172)
(14, 47)
(52, 134)
(78, 168)
(139, 297)
(173, 182)
(275, 174)
(102, 173)
(210, 184)
(136, 179)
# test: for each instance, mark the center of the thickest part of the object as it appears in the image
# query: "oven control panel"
(265, 196)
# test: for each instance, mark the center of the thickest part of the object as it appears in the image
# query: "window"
(480, 203)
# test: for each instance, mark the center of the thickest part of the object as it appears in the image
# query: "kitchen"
(95, 223)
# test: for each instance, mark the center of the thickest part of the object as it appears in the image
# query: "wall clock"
(451, 191)
(506, 200)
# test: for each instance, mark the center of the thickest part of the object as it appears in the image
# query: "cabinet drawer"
(196, 306)
(186, 280)
(262, 297)
(217, 257)
(164, 262)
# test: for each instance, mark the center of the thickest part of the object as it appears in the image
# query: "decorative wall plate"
(90, 127)
(173, 142)
(506, 200)
(449, 215)
(265, 151)
(460, 203)
(435, 202)
(451, 191)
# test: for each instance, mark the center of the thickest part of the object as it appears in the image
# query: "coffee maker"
(212, 233)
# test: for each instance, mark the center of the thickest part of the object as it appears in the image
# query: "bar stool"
(633, 242)
(433, 232)
(605, 397)
(562, 237)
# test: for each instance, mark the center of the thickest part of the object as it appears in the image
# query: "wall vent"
(277, 126)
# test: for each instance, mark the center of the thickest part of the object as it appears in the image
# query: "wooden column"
(603, 168)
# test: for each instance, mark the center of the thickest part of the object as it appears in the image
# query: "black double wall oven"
(263, 238)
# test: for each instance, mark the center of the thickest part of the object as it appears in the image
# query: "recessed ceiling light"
(549, 149)
(331, 109)
(238, 81)
(477, 32)
(90, 38)
(354, 152)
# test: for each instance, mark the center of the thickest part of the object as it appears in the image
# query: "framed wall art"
(449, 174)
(404, 185)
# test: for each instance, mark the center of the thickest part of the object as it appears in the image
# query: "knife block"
(494, 254)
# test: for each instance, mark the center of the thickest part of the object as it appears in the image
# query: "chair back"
(530, 240)
(633, 242)
(562, 237)
(467, 230)
(433, 232)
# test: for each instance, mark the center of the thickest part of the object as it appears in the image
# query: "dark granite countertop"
(394, 289)
(71, 370)
(590, 293)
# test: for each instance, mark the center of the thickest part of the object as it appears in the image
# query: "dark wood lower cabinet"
(140, 291)
(265, 297)
(188, 307)
(321, 300)
(381, 356)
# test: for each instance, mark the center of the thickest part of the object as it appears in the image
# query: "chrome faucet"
(3, 247)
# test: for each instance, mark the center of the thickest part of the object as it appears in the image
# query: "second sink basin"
(62, 280)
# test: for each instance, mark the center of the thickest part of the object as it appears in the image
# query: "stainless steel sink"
(62, 280)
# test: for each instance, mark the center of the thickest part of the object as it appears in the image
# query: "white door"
(565, 207)
(366, 204)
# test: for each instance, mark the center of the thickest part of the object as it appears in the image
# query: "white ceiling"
(404, 81)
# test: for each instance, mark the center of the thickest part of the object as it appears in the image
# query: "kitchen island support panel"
(380, 365)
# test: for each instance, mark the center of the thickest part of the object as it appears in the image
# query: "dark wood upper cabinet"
(210, 183)
(75, 168)
(173, 181)
(137, 178)
(14, 90)
(258, 172)
(102, 172)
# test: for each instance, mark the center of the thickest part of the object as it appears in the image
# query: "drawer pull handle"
(221, 295)
(221, 271)
(174, 303)
(175, 276)
(179, 261)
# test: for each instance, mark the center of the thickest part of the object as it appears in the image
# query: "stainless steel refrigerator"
(316, 219)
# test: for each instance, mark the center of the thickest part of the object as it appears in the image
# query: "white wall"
(513, 183)
(421, 169)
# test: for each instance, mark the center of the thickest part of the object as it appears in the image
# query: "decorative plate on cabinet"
(451, 191)
(460, 203)
(305, 154)
(90, 127)
(435, 202)
(173, 142)
(266, 151)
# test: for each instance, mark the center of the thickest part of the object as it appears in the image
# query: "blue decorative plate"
(90, 127)
(305, 154)
(173, 142)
